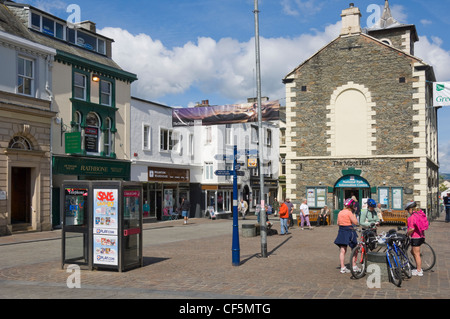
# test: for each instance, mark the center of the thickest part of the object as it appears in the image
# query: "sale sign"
(106, 226)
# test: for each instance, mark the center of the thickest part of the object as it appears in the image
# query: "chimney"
(88, 25)
(351, 21)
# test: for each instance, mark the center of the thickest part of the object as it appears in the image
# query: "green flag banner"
(441, 94)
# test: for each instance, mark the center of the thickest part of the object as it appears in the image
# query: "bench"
(394, 217)
(313, 215)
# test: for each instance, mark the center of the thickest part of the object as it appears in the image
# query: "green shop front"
(83, 168)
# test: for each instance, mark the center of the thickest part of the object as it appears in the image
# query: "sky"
(186, 51)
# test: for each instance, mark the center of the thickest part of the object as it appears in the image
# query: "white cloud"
(225, 67)
(301, 7)
(431, 52)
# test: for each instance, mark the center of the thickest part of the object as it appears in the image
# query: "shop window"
(391, 197)
(316, 196)
(25, 76)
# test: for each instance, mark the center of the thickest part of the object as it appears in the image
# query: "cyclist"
(369, 215)
(417, 236)
(346, 235)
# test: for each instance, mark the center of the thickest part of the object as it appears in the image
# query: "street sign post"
(236, 251)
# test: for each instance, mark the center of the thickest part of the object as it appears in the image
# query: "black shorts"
(416, 242)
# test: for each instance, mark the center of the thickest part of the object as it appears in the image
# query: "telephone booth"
(102, 224)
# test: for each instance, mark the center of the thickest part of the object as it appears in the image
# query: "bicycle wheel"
(404, 262)
(358, 261)
(394, 270)
(427, 255)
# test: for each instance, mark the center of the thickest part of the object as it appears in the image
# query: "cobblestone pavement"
(195, 261)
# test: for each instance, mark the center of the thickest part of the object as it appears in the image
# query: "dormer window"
(58, 29)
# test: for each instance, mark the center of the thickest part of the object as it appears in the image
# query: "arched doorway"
(350, 185)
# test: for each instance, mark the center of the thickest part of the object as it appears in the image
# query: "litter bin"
(248, 230)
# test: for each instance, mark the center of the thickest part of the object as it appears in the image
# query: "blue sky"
(185, 51)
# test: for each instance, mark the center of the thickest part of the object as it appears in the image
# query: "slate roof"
(11, 16)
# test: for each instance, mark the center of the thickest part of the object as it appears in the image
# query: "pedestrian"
(185, 207)
(242, 208)
(379, 212)
(369, 215)
(275, 207)
(447, 207)
(290, 206)
(346, 235)
(304, 214)
(284, 216)
(417, 223)
(323, 215)
(356, 208)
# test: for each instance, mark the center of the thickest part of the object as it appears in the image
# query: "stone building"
(25, 135)
(91, 96)
(360, 122)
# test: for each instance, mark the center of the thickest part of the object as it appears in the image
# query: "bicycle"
(393, 261)
(427, 254)
(358, 257)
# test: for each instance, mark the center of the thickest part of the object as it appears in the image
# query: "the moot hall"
(360, 122)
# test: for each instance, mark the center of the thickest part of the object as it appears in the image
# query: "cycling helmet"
(411, 204)
(349, 202)
(371, 203)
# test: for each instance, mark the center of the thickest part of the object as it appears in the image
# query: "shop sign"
(81, 166)
(352, 182)
(73, 142)
(161, 174)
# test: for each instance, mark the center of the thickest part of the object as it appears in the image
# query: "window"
(254, 134)
(268, 137)
(208, 135)
(36, 21)
(79, 86)
(77, 122)
(107, 139)
(101, 46)
(20, 143)
(191, 144)
(316, 196)
(25, 76)
(165, 140)
(228, 135)
(105, 93)
(86, 41)
(228, 167)
(146, 137)
(209, 174)
(48, 26)
(56, 28)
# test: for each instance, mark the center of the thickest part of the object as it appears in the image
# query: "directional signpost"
(236, 251)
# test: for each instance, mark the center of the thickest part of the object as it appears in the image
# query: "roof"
(11, 23)
(388, 22)
(363, 35)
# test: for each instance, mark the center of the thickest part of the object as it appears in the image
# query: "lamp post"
(260, 136)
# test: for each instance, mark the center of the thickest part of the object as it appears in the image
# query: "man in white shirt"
(304, 214)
